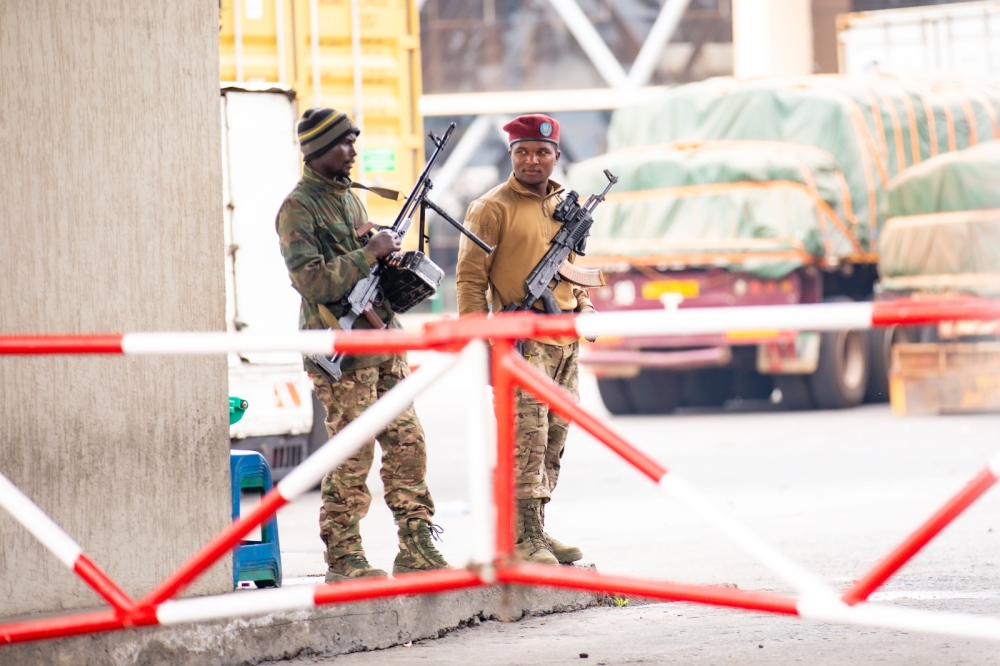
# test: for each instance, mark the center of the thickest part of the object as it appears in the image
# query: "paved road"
(834, 490)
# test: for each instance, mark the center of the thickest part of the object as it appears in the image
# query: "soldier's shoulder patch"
(475, 212)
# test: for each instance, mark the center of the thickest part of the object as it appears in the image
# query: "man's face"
(337, 161)
(533, 161)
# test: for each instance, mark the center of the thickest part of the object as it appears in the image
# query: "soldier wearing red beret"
(516, 217)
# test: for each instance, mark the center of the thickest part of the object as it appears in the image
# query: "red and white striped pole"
(453, 334)
(305, 477)
(562, 403)
(61, 545)
(919, 538)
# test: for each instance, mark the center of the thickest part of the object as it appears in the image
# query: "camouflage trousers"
(404, 458)
(540, 434)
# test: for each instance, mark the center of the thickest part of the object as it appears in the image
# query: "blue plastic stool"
(257, 561)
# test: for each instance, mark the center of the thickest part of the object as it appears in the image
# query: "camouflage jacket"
(324, 256)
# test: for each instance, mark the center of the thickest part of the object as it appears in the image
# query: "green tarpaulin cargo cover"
(942, 232)
(754, 206)
(850, 136)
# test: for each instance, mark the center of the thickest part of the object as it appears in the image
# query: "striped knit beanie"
(321, 129)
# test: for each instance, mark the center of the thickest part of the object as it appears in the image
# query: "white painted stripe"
(236, 604)
(35, 521)
(700, 321)
(905, 619)
(804, 581)
(305, 342)
(922, 595)
(482, 454)
(364, 428)
(994, 465)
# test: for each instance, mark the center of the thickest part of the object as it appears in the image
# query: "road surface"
(834, 490)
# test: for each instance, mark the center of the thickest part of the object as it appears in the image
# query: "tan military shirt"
(519, 223)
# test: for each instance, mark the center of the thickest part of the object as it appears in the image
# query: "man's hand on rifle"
(384, 243)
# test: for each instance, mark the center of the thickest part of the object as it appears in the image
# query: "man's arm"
(473, 270)
(317, 280)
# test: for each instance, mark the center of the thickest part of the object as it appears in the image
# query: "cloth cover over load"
(870, 127)
(759, 207)
(942, 232)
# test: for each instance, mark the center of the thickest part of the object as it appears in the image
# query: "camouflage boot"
(565, 554)
(531, 545)
(351, 567)
(416, 548)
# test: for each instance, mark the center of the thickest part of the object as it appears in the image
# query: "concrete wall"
(110, 220)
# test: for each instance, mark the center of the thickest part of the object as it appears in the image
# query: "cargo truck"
(752, 193)
(942, 240)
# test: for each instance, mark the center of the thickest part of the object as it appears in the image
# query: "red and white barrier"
(452, 335)
(60, 544)
(492, 498)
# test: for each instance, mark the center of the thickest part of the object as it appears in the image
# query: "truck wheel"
(881, 341)
(707, 388)
(841, 378)
(654, 391)
(614, 393)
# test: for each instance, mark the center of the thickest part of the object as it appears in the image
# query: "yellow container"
(271, 42)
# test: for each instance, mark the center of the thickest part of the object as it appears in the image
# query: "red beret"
(535, 127)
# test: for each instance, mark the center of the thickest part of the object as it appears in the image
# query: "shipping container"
(961, 38)
(310, 46)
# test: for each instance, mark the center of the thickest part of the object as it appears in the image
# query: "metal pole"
(359, 115)
(279, 29)
(481, 456)
(463, 152)
(503, 473)
(591, 42)
(238, 37)
(314, 39)
(661, 32)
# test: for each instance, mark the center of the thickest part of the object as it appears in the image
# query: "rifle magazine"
(583, 277)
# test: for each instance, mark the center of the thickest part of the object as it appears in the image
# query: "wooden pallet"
(942, 378)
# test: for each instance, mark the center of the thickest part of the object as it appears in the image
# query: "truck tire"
(654, 391)
(707, 388)
(614, 394)
(881, 342)
(841, 378)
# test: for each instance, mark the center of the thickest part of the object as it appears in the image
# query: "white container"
(961, 38)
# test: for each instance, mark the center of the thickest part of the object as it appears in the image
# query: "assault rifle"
(359, 302)
(572, 237)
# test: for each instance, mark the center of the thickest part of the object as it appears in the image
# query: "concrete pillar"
(111, 220)
(824, 25)
(772, 38)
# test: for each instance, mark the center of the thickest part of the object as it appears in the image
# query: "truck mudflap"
(797, 356)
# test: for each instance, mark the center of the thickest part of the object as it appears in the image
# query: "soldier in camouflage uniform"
(328, 245)
(516, 217)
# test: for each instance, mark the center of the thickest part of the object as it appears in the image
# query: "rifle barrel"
(411, 201)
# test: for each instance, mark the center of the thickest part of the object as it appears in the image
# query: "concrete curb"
(326, 631)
